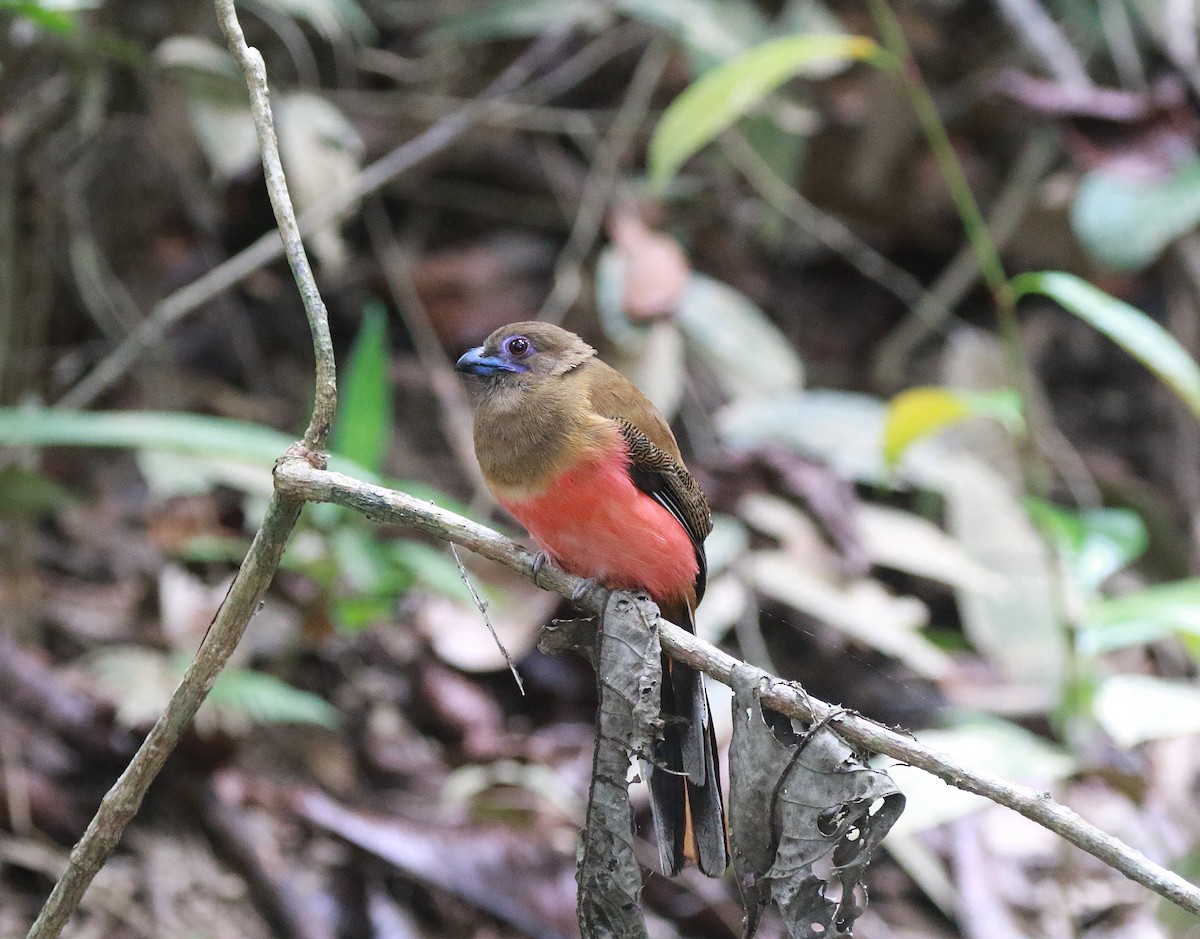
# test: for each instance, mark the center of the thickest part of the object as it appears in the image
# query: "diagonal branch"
(299, 480)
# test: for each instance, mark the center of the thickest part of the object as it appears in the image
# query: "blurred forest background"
(976, 520)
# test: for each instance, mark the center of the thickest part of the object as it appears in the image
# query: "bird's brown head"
(523, 355)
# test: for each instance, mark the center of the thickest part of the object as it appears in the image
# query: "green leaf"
(170, 431)
(1126, 223)
(265, 699)
(726, 93)
(1094, 543)
(47, 16)
(353, 614)
(140, 681)
(1127, 326)
(1143, 616)
(160, 430)
(919, 412)
(24, 492)
(363, 427)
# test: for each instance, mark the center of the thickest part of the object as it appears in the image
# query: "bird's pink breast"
(593, 521)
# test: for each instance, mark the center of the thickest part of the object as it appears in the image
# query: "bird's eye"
(517, 346)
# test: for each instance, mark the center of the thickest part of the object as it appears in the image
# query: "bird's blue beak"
(474, 362)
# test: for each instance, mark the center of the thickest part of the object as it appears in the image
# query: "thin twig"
(251, 62)
(1042, 36)
(955, 179)
(171, 309)
(482, 605)
(299, 480)
(123, 800)
(929, 315)
(602, 182)
(828, 229)
(454, 411)
(1179, 35)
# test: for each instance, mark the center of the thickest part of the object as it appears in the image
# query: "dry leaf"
(794, 800)
(655, 269)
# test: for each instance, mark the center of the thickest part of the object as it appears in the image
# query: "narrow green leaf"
(176, 432)
(158, 430)
(723, 95)
(363, 426)
(1143, 616)
(1127, 326)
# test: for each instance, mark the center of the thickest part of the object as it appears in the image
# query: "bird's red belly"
(594, 522)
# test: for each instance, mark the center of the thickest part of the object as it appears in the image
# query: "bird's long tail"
(685, 783)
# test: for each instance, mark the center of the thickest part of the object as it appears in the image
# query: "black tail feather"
(685, 783)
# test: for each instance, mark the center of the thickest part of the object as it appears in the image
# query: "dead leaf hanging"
(629, 679)
(797, 799)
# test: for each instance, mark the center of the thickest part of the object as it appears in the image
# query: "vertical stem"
(251, 61)
(988, 258)
(120, 805)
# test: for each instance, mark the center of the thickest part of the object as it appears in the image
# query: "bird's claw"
(585, 587)
(539, 561)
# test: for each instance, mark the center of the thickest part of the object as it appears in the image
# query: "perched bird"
(583, 460)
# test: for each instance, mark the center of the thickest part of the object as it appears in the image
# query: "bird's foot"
(540, 560)
(585, 587)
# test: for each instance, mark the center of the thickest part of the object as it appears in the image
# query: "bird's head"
(524, 354)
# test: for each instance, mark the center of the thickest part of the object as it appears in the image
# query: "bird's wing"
(667, 481)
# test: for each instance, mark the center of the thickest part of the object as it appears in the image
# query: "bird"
(583, 460)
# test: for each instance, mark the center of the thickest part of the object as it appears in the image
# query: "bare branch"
(251, 62)
(299, 480)
(123, 800)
